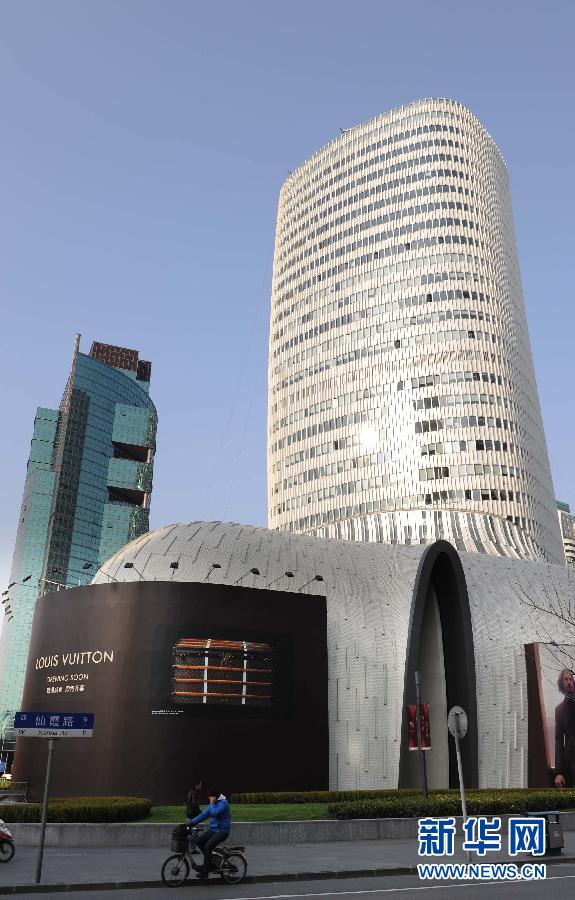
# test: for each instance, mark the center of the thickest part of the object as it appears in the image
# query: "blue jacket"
(221, 817)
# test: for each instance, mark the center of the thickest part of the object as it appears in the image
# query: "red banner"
(424, 725)
(412, 727)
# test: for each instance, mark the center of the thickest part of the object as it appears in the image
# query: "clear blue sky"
(143, 147)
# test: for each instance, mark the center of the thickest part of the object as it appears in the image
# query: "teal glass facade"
(87, 491)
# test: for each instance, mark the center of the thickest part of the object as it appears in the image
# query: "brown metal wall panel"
(143, 744)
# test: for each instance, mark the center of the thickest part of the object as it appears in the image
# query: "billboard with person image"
(551, 686)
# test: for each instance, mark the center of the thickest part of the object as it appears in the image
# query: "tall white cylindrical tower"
(403, 405)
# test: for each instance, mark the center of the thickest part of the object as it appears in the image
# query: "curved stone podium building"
(332, 635)
(403, 406)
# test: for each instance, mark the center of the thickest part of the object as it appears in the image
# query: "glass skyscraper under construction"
(87, 492)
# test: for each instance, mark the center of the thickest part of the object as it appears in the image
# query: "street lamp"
(130, 565)
(253, 571)
(315, 578)
(211, 569)
(12, 583)
(111, 577)
(283, 575)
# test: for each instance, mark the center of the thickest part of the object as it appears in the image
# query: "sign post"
(457, 724)
(51, 743)
(51, 726)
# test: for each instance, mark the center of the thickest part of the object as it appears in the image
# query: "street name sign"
(53, 725)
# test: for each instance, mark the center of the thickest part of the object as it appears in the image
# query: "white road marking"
(423, 887)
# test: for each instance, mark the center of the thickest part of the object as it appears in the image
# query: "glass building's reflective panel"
(87, 490)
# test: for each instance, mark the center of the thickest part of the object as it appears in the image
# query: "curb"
(249, 879)
(158, 834)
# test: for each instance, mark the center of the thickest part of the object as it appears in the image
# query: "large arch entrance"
(440, 647)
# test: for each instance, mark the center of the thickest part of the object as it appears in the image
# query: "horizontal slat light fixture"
(224, 668)
(214, 694)
(217, 681)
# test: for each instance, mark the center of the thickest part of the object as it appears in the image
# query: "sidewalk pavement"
(72, 868)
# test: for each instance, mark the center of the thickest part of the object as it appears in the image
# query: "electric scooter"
(6, 843)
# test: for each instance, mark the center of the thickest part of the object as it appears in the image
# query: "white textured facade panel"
(401, 382)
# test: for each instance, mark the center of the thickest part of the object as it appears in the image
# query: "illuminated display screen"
(230, 673)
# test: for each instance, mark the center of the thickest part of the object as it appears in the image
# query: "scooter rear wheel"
(233, 868)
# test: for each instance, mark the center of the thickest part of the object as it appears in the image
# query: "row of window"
(383, 347)
(398, 138)
(403, 265)
(391, 281)
(428, 318)
(382, 480)
(334, 468)
(496, 494)
(421, 427)
(407, 179)
(450, 378)
(341, 489)
(342, 443)
(383, 252)
(433, 402)
(459, 400)
(427, 425)
(432, 473)
(294, 459)
(324, 405)
(439, 448)
(325, 365)
(395, 215)
(323, 427)
(427, 298)
(419, 192)
(399, 231)
(323, 185)
(362, 300)
(414, 501)
(421, 381)
(294, 218)
(405, 232)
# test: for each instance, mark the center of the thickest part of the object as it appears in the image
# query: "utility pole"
(422, 760)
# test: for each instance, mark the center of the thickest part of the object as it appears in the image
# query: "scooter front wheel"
(175, 871)
(6, 851)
